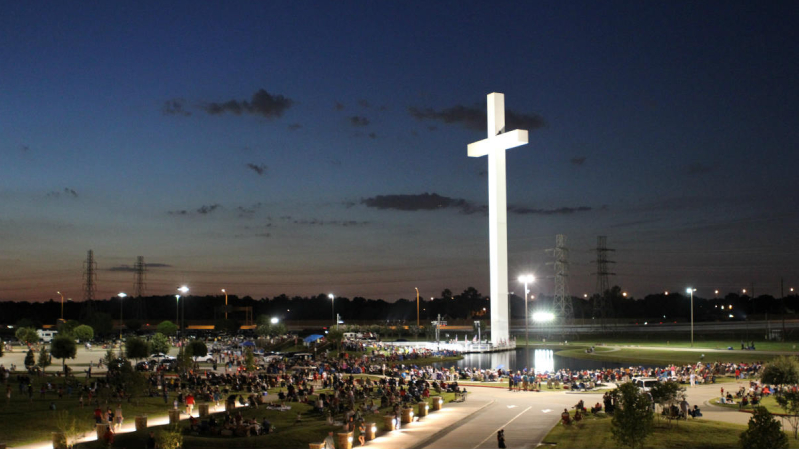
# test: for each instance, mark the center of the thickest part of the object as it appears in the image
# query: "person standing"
(501, 439)
(362, 433)
(118, 417)
(330, 442)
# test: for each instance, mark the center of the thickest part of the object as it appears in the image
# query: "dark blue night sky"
(313, 147)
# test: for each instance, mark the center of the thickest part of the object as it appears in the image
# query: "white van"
(46, 335)
(645, 383)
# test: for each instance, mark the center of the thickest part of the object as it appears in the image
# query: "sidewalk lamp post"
(183, 289)
(691, 292)
(122, 296)
(177, 312)
(62, 304)
(223, 291)
(333, 307)
(526, 279)
(417, 306)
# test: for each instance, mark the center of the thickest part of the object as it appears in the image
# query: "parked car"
(645, 383)
(144, 366)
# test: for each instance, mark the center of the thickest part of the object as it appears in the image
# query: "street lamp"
(62, 305)
(333, 307)
(526, 279)
(691, 291)
(121, 296)
(223, 291)
(183, 289)
(417, 306)
(274, 320)
(177, 312)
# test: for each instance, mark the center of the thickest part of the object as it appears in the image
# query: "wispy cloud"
(248, 211)
(128, 268)
(257, 168)
(175, 106)
(202, 210)
(338, 106)
(262, 103)
(294, 126)
(578, 160)
(557, 211)
(357, 120)
(66, 192)
(474, 118)
(424, 201)
(363, 103)
(434, 201)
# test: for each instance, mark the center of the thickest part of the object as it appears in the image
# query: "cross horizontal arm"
(505, 141)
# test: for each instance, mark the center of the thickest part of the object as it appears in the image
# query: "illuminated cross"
(494, 147)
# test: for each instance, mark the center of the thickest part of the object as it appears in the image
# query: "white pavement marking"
(546, 410)
(511, 406)
(502, 427)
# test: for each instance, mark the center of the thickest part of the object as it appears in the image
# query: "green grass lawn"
(770, 403)
(23, 421)
(680, 342)
(662, 357)
(594, 432)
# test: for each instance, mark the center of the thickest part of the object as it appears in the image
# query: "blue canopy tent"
(248, 343)
(312, 338)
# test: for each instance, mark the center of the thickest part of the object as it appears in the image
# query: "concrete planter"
(438, 402)
(407, 415)
(204, 410)
(59, 440)
(316, 445)
(344, 440)
(100, 429)
(230, 406)
(174, 416)
(422, 409)
(388, 423)
(371, 431)
(141, 423)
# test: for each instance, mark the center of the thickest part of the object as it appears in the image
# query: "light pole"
(691, 291)
(183, 289)
(417, 306)
(333, 307)
(177, 312)
(526, 279)
(223, 291)
(62, 305)
(121, 296)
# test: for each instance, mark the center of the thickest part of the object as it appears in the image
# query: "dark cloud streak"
(262, 103)
(474, 118)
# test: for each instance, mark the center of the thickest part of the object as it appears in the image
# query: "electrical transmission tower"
(139, 287)
(563, 303)
(603, 308)
(89, 281)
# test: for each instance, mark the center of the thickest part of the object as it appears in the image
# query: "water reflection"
(543, 360)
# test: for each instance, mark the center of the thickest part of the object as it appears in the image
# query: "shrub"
(764, 432)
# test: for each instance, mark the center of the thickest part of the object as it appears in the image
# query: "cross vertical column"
(497, 223)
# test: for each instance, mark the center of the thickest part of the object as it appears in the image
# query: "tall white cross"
(494, 146)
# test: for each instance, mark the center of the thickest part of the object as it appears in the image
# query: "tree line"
(469, 304)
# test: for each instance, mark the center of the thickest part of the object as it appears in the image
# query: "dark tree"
(136, 348)
(764, 432)
(197, 348)
(63, 348)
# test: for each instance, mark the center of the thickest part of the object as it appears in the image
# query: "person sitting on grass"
(695, 412)
(565, 418)
(578, 415)
(596, 408)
